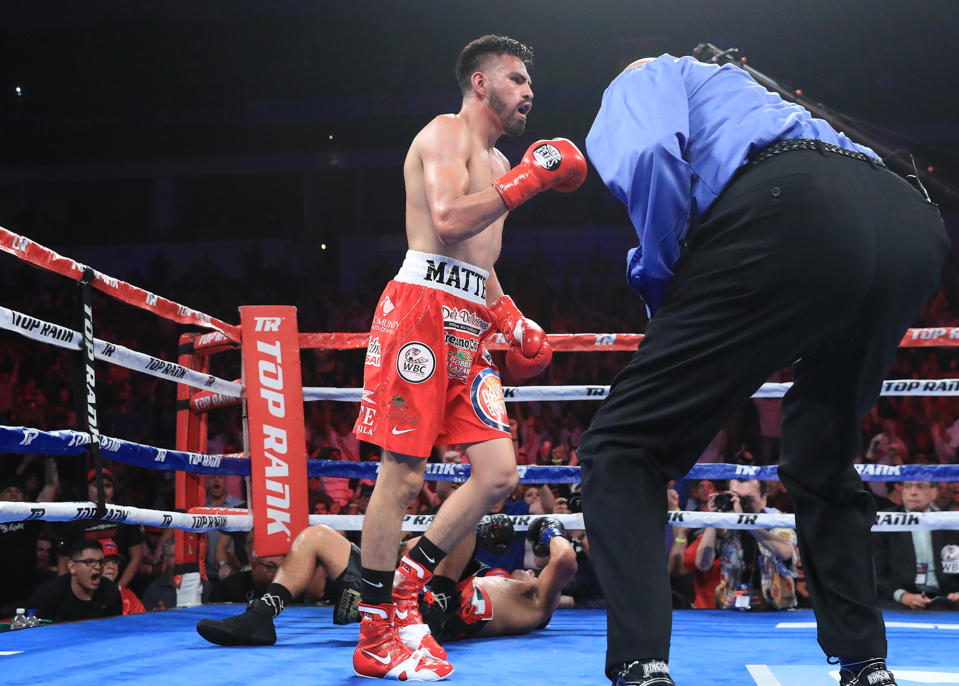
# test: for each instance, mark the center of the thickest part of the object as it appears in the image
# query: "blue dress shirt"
(667, 139)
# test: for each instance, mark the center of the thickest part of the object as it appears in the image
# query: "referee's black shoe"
(642, 673)
(875, 673)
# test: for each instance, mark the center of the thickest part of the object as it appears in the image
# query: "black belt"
(806, 144)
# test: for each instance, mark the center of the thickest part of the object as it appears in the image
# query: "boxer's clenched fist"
(556, 164)
(529, 351)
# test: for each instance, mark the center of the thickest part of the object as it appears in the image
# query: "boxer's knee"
(315, 536)
(503, 484)
(496, 481)
(493, 468)
(399, 478)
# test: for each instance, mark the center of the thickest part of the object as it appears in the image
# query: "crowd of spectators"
(37, 383)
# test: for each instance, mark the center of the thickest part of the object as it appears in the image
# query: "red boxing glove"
(529, 351)
(556, 164)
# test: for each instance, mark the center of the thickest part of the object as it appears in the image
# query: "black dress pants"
(809, 258)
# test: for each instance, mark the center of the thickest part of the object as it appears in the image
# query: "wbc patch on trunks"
(415, 362)
(486, 394)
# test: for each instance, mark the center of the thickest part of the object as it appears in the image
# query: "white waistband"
(445, 274)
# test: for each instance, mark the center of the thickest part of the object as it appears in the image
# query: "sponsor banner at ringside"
(274, 396)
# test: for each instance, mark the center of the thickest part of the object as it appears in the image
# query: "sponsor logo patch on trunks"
(384, 325)
(401, 413)
(387, 305)
(462, 319)
(373, 352)
(364, 422)
(458, 364)
(486, 394)
(415, 362)
(467, 343)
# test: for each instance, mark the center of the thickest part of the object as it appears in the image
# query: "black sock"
(377, 586)
(444, 590)
(276, 598)
(427, 553)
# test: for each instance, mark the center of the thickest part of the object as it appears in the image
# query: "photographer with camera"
(756, 567)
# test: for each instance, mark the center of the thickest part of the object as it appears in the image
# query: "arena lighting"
(20, 93)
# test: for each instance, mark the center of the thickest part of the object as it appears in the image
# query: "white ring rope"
(892, 387)
(62, 512)
(67, 512)
(62, 337)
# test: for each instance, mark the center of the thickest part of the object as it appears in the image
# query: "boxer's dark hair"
(470, 57)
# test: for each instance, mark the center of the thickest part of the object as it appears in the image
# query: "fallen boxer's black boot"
(642, 673)
(252, 628)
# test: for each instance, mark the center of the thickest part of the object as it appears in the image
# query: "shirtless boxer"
(323, 565)
(428, 378)
(480, 603)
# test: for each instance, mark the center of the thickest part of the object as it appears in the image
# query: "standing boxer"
(766, 238)
(428, 378)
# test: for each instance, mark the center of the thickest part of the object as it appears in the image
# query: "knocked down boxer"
(468, 600)
(459, 605)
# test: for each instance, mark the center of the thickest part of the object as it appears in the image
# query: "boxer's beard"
(512, 124)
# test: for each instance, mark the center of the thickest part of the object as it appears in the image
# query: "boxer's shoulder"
(443, 131)
(502, 159)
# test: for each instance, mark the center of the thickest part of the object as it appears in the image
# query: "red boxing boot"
(380, 654)
(409, 580)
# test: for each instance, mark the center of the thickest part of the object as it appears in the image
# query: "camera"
(723, 502)
(575, 499)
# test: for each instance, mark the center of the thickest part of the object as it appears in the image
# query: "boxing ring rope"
(63, 337)
(191, 372)
(27, 251)
(209, 519)
(934, 337)
(890, 388)
(19, 439)
(24, 440)
(221, 392)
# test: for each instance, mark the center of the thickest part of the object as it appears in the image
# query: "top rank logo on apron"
(486, 394)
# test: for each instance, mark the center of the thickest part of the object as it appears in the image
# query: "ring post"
(190, 437)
